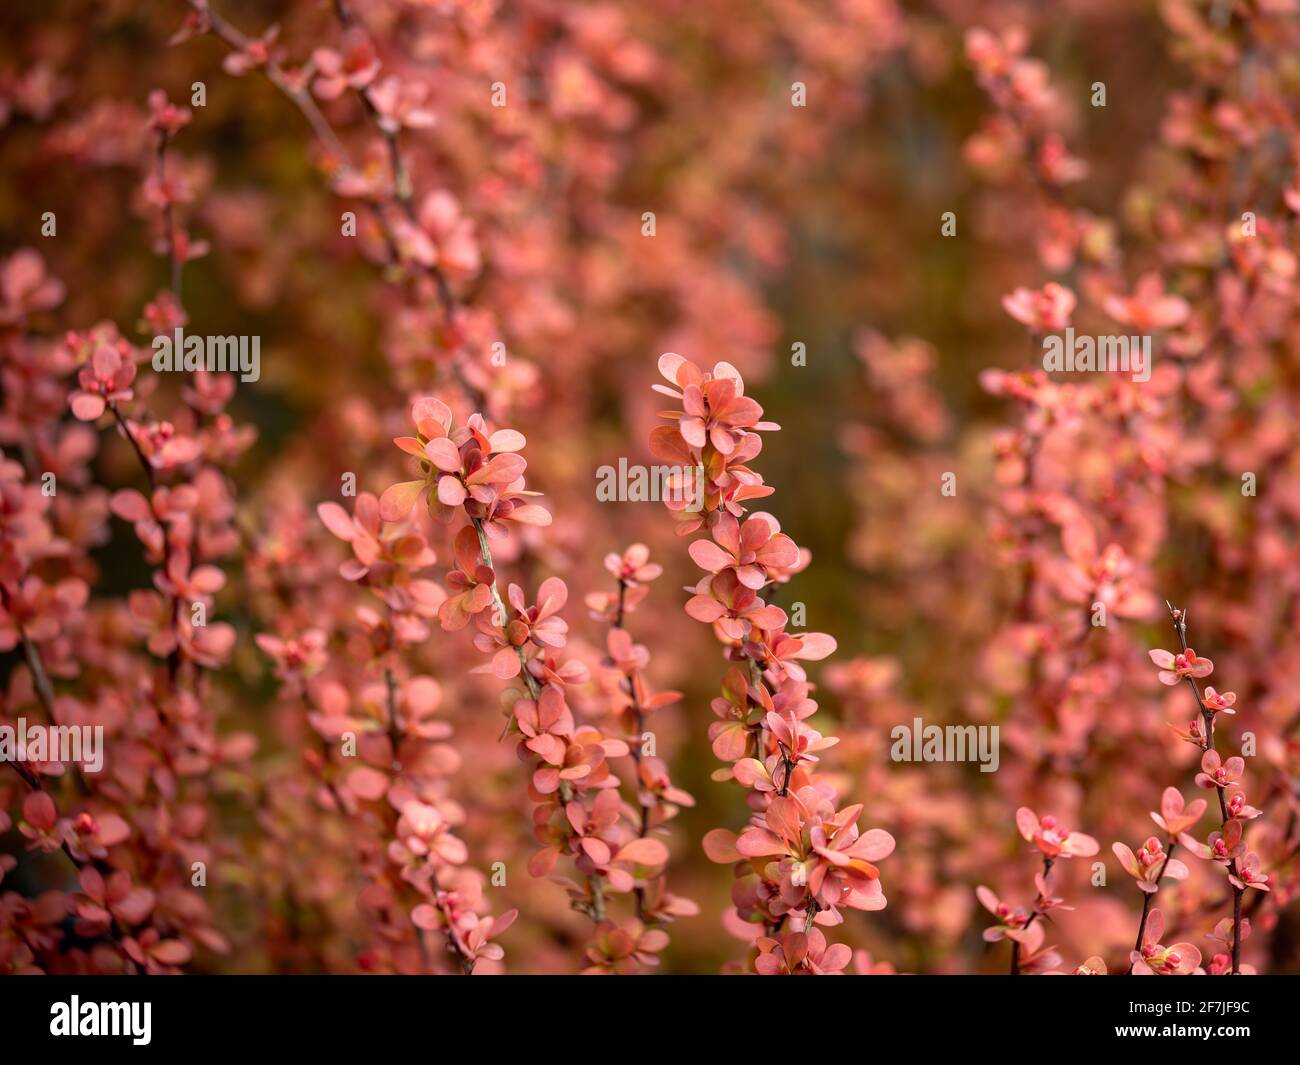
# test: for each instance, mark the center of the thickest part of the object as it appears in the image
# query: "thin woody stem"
(402, 187)
(485, 556)
(394, 721)
(1149, 898)
(40, 679)
(454, 944)
(33, 781)
(1179, 618)
(149, 470)
(1015, 945)
(566, 791)
(638, 719)
(174, 658)
(300, 98)
(1236, 930)
(404, 193)
(169, 220)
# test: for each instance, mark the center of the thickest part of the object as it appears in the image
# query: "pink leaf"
(396, 502)
(368, 784)
(720, 846)
(643, 852)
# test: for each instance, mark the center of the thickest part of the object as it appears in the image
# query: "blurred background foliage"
(775, 226)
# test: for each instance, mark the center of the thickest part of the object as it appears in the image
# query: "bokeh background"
(775, 226)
